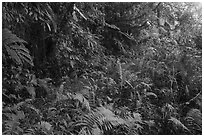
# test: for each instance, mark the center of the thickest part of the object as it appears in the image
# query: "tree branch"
(188, 102)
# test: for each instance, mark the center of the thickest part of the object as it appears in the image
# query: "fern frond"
(50, 14)
(9, 38)
(133, 121)
(196, 115)
(92, 99)
(29, 131)
(101, 118)
(82, 100)
(85, 131)
(178, 124)
(15, 48)
(12, 123)
(193, 121)
(110, 117)
(13, 55)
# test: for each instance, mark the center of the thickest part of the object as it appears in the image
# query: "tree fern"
(14, 46)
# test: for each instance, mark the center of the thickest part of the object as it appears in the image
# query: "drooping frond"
(14, 46)
(178, 124)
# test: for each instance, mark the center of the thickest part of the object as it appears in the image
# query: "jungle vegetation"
(84, 68)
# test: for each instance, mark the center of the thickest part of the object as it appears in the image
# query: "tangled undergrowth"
(101, 69)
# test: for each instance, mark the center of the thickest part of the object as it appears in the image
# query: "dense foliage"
(102, 68)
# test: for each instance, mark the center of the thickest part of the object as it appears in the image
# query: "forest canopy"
(101, 68)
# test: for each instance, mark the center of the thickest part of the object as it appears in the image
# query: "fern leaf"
(20, 47)
(15, 48)
(9, 38)
(29, 131)
(85, 131)
(196, 115)
(110, 116)
(82, 100)
(26, 58)
(23, 53)
(177, 123)
(51, 16)
(137, 117)
(194, 120)
(101, 119)
(12, 124)
(92, 100)
(13, 55)
(96, 130)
